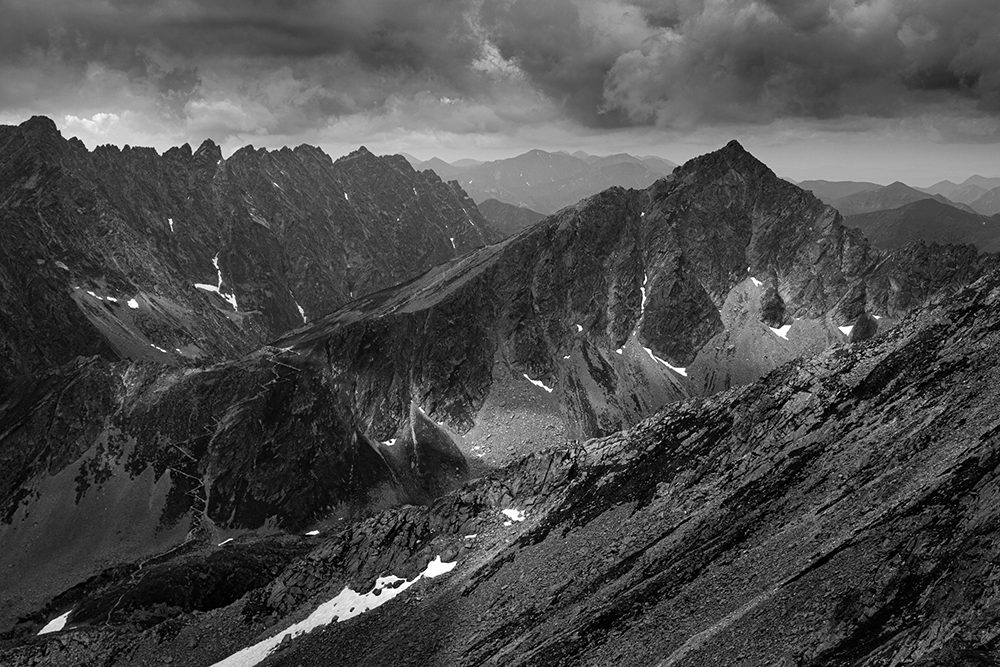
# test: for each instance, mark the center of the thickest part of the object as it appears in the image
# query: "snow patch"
(846, 330)
(171, 222)
(302, 313)
(877, 317)
(619, 350)
(513, 515)
(224, 542)
(346, 197)
(111, 299)
(231, 298)
(537, 383)
(62, 266)
(472, 536)
(679, 371)
(390, 442)
(755, 281)
(566, 357)
(133, 304)
(642, 306)
(311, 533)
(579, 328)
(781, 332)
(346, 605)
(56, 624)
(159, 348)
(452, 242)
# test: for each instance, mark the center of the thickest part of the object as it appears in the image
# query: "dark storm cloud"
(747, 60)
(167, 46)
(561, 55)
(282, 66)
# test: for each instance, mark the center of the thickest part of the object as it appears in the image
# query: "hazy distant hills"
(927, 220)
(830, 191)
(982, 194)
(891, 196)
(948, 189)
(546, 182)
(988, 203)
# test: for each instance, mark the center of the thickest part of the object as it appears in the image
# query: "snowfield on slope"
(346, 605)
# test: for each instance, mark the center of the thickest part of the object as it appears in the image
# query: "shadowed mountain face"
(930, 221)
(841, 510)
(186, 256)
(589, 322)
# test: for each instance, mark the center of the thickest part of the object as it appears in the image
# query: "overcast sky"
(840, 89)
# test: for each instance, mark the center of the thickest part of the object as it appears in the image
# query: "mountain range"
(977, 194)
(186, 256)
(697, 422)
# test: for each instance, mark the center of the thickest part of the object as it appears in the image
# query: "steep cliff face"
(186, 256)
(607, 310)
(840, 511)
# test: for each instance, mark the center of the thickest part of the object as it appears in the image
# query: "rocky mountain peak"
(40, 126)
(208, 152)
(44, 138)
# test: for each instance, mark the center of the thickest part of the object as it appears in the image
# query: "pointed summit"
(730, 156)
(209, 151)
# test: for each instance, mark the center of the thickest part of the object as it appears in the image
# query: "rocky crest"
(187, 257)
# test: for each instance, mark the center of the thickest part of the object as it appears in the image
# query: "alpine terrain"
(700, 421)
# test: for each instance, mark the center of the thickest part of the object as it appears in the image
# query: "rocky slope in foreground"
(843, 510)
(187, 257)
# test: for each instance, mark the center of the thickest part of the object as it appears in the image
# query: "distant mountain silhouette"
(988, 203)
(948, 188)
(891, 196)
(927, 220)
(545, 182)
(830, 191)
